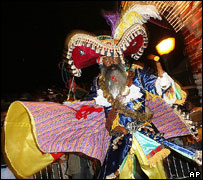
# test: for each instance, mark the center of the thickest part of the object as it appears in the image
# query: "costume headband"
(130, 39)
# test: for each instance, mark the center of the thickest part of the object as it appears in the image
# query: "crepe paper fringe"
(198, 157)
(158, 156)
(169, 119)
(187, 121)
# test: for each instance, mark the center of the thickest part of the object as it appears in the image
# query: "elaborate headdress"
(129, 38)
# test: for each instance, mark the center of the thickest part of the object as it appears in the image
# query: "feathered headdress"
(136, 14)
(129, 37)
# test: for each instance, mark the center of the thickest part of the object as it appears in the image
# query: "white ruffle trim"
(134, 94)
(100, 100)
(166, 81)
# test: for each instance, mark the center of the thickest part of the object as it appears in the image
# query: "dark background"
(33, 35)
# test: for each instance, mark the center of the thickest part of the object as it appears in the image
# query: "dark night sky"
(33, 35)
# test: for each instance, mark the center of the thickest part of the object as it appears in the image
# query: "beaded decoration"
(83, 50)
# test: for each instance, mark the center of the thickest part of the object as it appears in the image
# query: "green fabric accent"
(146, 143)
(103, 37)
(134, 165)
(123, 163)
(178, 93)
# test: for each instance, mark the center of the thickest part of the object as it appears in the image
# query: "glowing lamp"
(166, 46)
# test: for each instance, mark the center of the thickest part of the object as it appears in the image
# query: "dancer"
(128, 119)
(137, 103)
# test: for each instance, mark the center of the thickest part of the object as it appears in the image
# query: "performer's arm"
(162, 85)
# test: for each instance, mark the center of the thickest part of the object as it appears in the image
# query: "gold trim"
(83, 39)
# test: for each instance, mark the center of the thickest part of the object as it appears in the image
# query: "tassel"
(88, 44)
(124, 47)
(102, 51)
(114, 53)
(70, 62)
(158, 157)
(97, 50)
(68, 56)
(122, 60)
(108, 53)
(93, 47)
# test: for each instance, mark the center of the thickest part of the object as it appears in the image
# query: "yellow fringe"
(158, 157)
(154, 96)
(116, 122)
(147, 124)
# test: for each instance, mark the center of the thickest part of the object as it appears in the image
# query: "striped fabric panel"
(58, 130)
(166, 120)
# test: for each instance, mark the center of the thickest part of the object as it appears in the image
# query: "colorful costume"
(38, 133)
(138, 142)
(46, 128)
(145, 90)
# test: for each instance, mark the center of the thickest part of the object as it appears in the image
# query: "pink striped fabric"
(166, 120)
(58, 130)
